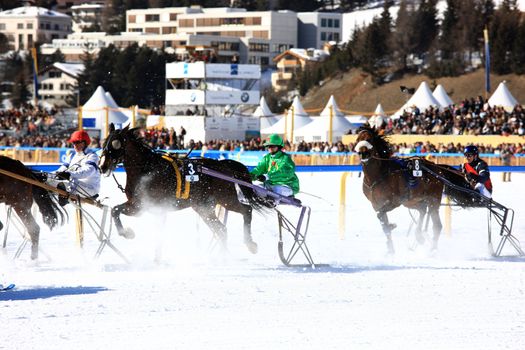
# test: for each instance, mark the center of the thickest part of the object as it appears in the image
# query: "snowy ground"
(458, 298)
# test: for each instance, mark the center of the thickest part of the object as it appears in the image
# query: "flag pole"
(487, 62)
(35, 76)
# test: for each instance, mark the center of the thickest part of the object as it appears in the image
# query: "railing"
(37, 155)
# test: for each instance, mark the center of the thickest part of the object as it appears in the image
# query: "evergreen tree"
(21, 93)
(403, 36)
(503, 35)
(518, 51)
(448, 41)
(425, 24)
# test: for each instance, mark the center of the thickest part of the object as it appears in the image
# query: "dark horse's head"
(113, 149)
(370, 144)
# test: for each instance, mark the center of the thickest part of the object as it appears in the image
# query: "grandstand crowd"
(36, 127)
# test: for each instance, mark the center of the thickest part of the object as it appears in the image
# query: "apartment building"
(317, 28)
(259, 35)
(293, 61)
(26, 25)
(86, 16)
(57, 83)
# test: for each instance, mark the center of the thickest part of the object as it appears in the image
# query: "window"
(29, 25)
(173, 16)
(336, 37)
(152, 30)
(323, 22)
(323, 36)
(152, 18)
(258, 47)
(20, 26)
(252, 21)
(2, 26)
(30, 40)
(132, 19)
(336, 23)
(263, 34)
(168, 30)
(186, 23)
(57, 27)
(330, 23)
(265, 61)
(21, 41)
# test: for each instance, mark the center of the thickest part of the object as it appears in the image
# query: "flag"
(487, 61)
(35, 73)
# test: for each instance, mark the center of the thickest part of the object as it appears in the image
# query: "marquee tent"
(293, 120)
(422, 99)
(378, 117)
(95, 109)
(319, 128)
(266, 117)
(442, 97)
(502, 97)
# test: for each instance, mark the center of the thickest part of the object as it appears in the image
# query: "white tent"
(266, 117)
(502, 97)
(295, 118)
(319, 128)
(111, 100)
(422, 99)
(97, 108)
(378, 117)
(441, 95)
(263, 110)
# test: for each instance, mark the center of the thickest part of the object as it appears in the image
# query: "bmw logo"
(193, 97)
(245, 97)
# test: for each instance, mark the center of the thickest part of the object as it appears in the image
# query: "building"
(87, 16)
(26, 25)
(67, 6)
(258, 36)
(317, 28)
(292, 61)
(57, 83)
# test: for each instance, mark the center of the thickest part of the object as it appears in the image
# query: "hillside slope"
(355, 93)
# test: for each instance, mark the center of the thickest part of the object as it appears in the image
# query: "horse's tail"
(52, 213)
(456, 186)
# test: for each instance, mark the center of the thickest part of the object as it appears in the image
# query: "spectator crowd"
(36, 127)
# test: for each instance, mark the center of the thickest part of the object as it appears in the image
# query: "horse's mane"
(380, 142)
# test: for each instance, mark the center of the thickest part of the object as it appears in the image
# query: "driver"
(277, 169)
(477, 172)
(81, 169)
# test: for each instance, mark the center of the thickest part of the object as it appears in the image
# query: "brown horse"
(389, 182)
(156, 179)
(20, 195)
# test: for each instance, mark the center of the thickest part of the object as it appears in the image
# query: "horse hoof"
(252, 247)
(127, 233)
(390, 248)
(34, 253)
(420, 239)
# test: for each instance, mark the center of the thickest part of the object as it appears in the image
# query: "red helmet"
(80, 135)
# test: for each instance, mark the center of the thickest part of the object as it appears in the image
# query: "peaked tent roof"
(111, 100)
(263, 110)
(378, 117)
(332, 105)
(94, 115)
(319, 129)
(422, 99)
(300, 119)
(441, 95)
(503, 97)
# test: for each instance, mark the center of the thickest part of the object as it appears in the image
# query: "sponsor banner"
(185, 97)
(232, 97)
(185, 70)
(233, 70)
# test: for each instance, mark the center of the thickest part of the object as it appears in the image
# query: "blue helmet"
(471, 150)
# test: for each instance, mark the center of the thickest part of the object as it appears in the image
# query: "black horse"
(389, 183)
(20, 194)
(154, 178)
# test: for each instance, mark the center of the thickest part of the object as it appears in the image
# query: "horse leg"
(207, 213)
(32, 228)
(436, 226)
(419, 229)
(247, 217)
(387, 229)
(127, 209)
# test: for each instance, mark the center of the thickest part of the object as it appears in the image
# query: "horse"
(389, 183)
(154, 178)
(19, 195)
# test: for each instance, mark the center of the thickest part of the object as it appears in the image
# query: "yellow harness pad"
(187, 184)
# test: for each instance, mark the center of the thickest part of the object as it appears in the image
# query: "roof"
(31, 11)
(72, 69)
(315, 54)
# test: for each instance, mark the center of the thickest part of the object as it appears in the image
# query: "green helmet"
(274, 140)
